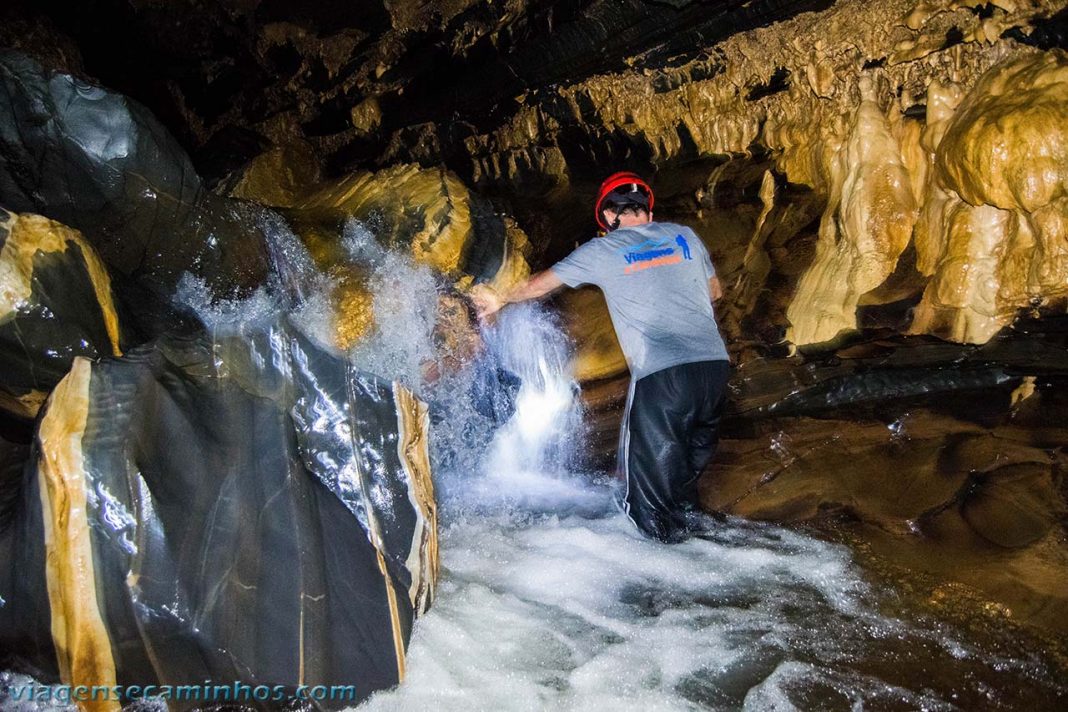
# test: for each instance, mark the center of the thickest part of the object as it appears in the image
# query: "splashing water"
(529, 455)
(405, 304)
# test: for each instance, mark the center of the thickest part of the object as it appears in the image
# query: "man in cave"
(659, 284)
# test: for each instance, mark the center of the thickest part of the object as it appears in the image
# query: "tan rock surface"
(995, 231)
(867, 224)
(44, 326)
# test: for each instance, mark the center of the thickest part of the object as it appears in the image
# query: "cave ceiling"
(362, 81)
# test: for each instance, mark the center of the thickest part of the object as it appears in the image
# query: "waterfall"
(531, 454)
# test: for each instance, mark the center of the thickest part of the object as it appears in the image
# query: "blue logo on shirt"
(681, 242)
(655, 250)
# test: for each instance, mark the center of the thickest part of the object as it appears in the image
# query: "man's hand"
(487, 301)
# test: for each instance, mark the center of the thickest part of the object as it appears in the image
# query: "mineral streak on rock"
(241, 507)
(413, 428)
(56, 304)
(83, 645)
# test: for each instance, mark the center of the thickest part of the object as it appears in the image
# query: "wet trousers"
(669, 434)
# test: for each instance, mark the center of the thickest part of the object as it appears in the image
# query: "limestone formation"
(837, 99)
(269, 520)
(995, 234)
(56, 304)
(424, 213)
(428, 214)
(866, 226)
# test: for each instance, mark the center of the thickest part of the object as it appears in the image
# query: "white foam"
(578, 613)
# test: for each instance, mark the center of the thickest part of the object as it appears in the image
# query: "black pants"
(670, 432)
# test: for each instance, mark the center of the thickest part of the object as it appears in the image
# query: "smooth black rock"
(66, 309)
(101, 163)
(252, 510)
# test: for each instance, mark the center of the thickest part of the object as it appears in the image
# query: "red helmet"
(622, 189)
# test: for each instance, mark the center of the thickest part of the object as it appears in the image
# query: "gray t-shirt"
(655, 280)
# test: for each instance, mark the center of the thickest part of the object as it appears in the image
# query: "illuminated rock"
(597, 351)
(279, 177)
(250, 504)
(354, 314)
(56, 304)
(1014, 505)
(427, 213)
(938, 453)
(993, 233)
(867, 224)
(833, 104)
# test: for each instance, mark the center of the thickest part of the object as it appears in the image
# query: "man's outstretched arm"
(488, 302)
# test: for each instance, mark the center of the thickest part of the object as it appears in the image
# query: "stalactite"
(867, 224)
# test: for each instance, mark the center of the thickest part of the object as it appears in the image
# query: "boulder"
(249, 503)
(100, 163)
(427, 214)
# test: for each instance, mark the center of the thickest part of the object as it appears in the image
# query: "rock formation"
(951, 447)
(56, 303)
(263, 519)
(103, 165)
(994, 234)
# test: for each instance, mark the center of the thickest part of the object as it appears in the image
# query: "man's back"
(655, 280)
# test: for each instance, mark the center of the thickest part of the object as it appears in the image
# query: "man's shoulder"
(673, 227)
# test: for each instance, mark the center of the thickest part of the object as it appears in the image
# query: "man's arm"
(488, 302)
(715, 289)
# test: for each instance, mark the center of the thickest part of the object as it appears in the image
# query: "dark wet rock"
(250, 504)
(57, 304)
(1014, 505)
(101, 163)
(13, 458)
